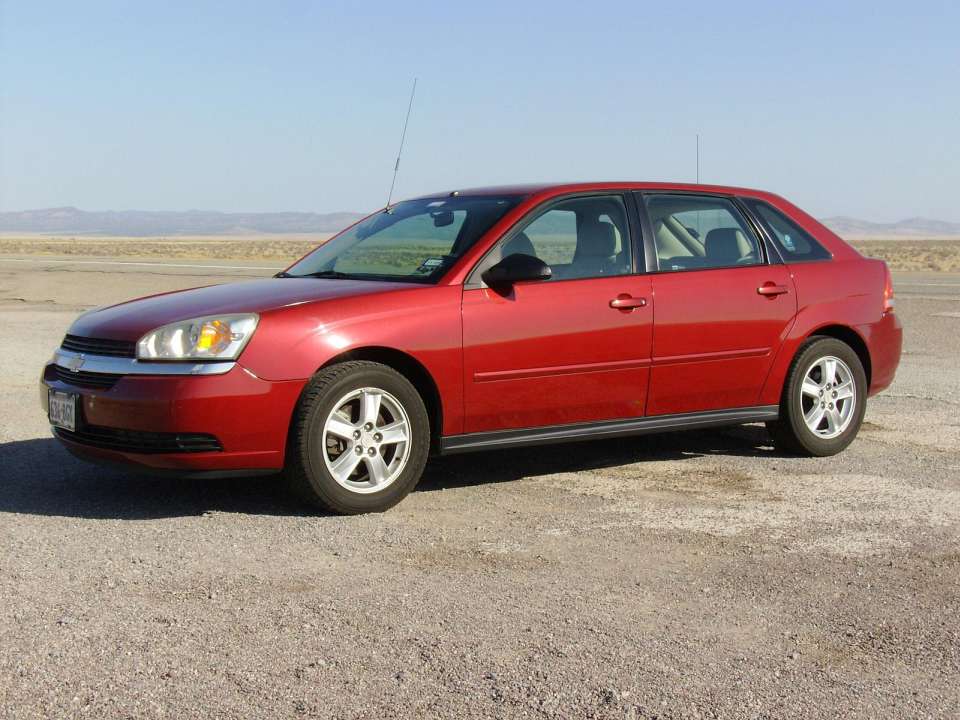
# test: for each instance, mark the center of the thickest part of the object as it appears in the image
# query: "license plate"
(63, 409)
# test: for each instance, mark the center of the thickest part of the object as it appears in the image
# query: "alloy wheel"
(366, 440)
(828, 397)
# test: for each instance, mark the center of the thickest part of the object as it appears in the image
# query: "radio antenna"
(698, 158)
(403, 137)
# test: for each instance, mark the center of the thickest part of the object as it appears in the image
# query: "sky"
(846, 108)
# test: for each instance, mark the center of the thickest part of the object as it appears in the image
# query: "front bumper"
(226, 423)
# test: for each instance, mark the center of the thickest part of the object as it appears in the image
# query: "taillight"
(888, 301)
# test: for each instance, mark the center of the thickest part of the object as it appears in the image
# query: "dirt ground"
(696, 575)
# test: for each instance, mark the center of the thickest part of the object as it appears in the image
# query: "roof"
(574, 187)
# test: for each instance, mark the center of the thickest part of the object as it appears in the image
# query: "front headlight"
(218, 337)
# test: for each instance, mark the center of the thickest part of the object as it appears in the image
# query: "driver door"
(557, 352)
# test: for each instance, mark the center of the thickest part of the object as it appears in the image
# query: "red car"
(484, 319)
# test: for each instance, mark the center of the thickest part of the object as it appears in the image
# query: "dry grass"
(936, 255)
(926, 254)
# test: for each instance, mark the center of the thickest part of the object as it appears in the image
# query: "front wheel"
(359, 440)
(824, 399)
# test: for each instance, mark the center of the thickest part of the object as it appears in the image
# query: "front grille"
(99, 346)
(137, 441)
(101, 381)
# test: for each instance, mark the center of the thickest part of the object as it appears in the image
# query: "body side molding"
(452, 444)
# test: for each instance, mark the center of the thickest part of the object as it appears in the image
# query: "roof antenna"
(698, 158)
(403, 137)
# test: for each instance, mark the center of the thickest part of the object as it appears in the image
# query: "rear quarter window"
(795, 243)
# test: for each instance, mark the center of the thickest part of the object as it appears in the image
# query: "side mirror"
(516, 268)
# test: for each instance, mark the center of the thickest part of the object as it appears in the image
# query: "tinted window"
(794, 242)
(579, 238)
(404, 247)
(554, 236)
(694, 232)
(416, 241)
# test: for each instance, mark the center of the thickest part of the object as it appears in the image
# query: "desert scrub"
(918, 255)
(937, 255)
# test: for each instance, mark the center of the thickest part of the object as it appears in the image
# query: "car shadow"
(508, 465)
(39, 477)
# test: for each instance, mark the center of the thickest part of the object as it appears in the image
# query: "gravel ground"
(693, 575)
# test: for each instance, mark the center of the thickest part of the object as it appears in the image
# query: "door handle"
(627, 302)
(772, 289)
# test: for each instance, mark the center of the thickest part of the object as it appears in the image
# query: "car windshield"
(415, 241)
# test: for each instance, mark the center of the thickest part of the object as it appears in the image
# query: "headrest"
(596, 239)
(518, 245)
(725, 244)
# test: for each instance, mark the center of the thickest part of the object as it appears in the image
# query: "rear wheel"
(359, 440)
(824, 399)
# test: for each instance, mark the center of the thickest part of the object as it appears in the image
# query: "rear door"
(722, 308)
(572, 349)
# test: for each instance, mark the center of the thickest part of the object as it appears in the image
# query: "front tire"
(359, 440)
(824, 399)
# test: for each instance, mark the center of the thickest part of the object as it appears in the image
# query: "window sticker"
(430, 264)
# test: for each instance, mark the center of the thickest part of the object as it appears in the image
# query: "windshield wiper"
(329, 274)
(335, 274)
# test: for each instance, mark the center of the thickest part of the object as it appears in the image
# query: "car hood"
(131, 320)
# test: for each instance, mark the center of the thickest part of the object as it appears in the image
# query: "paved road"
(946, 285)
(680, 576)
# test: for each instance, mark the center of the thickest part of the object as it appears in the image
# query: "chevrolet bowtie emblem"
(75, 363)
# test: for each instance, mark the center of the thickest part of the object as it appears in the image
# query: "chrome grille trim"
(74, 361)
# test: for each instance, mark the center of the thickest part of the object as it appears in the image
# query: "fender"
(421, 321)
(830, 293)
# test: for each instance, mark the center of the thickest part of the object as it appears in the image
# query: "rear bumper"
(232, 423)
(884, 340)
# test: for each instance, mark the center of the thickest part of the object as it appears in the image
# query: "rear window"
(794, 243)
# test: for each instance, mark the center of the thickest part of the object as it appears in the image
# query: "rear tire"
(359, 439)
(824, 400)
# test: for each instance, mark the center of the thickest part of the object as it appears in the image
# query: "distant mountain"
(911, 227)
(70, 220)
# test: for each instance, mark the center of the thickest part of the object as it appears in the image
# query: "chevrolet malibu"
(485, 319)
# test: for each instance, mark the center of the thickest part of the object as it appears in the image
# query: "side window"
(695, 232)
(578, 238)
(553, 236)
(795, 243)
